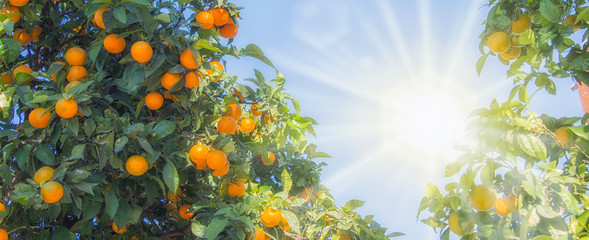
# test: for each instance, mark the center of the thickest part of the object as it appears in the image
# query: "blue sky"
(383, 78)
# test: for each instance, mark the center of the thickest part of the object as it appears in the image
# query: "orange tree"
(524, 176)
(118, 121)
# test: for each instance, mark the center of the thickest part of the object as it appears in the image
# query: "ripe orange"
(266, 118)
(482, 198)
(54, 76)
(270, 217)
(37, 120)
(260, 235)
(43, 174)
(247, 124)
(216, 64)
(255, 111)
(19, 3)
(98, 17)
(521, 24)
(198, 154)
(175, 197)
(76, 73)
(183, 211)
(191, 79)
(2, 208)
(66, 108)
(7, 78)
(562, 136)
(23, 69)
(227, 125)
(499, 42)
(12, 9)
(136, 165)
(154, 100)
(35, 34)
(228, 31)
(216, 159)
(269, 160)
(505, 205)
(22, 36)
(222, 171)
(3, 234)
(169, 79)
(117, 230)
(113, 44)
(511, 54)
(141, 51)
(570, 20)
(205, 19)
(454, 223)
(236, 189)
(188, 60)
(234, 111)
(220, 16)
(75, 56)
(51, 192)
(71, 85)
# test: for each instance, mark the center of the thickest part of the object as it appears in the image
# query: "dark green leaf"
(163, 129)
(215, 227)
(9, 49)
(45, 154)
(120, 14)
(111, 202)
(170, 175)
(550, 11)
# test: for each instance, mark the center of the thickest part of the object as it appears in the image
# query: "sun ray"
(424, 13)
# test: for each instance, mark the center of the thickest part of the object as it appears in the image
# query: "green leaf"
(111, 202)
(123, 213)
(532, 145)
(171, 176)
(9, 49)
(163, 17)
(550, 11)
(61, 233)
(78, 152)
(581, 131)
(142, 2)
(481, 63)
(89, 127)
(527, 37)
(198, 229)
(78, 175)
(163, 129)
(120, 143)
(353, 205)
(22, 155)
(120, 14)
(22, 192)
(431, 190)
(145, 144)
(254, 51)
(206, 44)
(215, 227)
(90, 209)
(286, 180)
(45, 155)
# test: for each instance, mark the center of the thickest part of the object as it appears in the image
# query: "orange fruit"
(7, 78)
(3, 234)
(499, 42)
(98, 17)
(454, 224)
(266, 118)
(481, 198)
(76, 73)
(136, 165)
(22, 36)
(198, 154)
(51, 192)
(505, 205)
(188, 60)
(222, 171)
(260, 235)
(216, 64)
(71, 85)
(210, 72)
(191, 79)
(236, 189)
(183, 211)
(43, 174)
(19, 3)
(35, 34)
(521, 24)
(220, 16)
(306, 193)
(113, 44)
(255, 111)
(2, 209)
(234, 111)
(117, 230)
(23, 69)
(238, 94)
(154, 100)
(141, 51)
(269, 160)
(75, 56)
(270, 217)
(227, 125)
(174, 98)
(205, 19)
(562, 136)
(228, 31)
(511, 54)
(570, 20)
(12, 9)
(247, 124)
(66, 108)
(169, 79)
(216, 159)
(175, 197)
(39, 120)
(54, 76)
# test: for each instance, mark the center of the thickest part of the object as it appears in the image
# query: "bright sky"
(390, 83)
